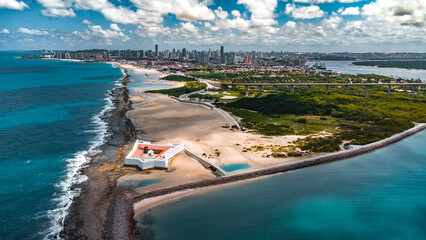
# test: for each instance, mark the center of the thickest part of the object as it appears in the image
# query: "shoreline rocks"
(89, 212)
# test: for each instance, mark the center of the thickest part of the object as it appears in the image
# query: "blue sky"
(279, 25)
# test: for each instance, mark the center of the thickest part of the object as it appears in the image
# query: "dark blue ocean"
(380, 195)
(49, 122)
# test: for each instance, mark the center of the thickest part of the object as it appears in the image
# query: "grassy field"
(357, 120)
(299, 124)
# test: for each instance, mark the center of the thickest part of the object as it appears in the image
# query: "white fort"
(145, 155)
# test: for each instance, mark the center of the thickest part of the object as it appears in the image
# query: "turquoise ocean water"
(379, 195)
(49, 124)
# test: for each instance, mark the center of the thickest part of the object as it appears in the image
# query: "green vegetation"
(284, 124)
(219, 96)
(320, 144)
(188, 88)
(357, 120)
(394, 64)
(178, 78)
(288, 77)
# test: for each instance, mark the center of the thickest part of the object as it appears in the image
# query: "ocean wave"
(66, 192)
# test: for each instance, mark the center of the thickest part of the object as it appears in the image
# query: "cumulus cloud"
(325, 1)
(4, 31)
(260, 9)
(58, 12)
(53, 3)
(108, 34)
(13, 4)
(236, 13)
(85, 21)
(350, 11)
(403, 12)
(221, 14)
(290, 25)
(115, 27)
(183, 9)
(332, 22)
(303, 12)
(32, 31)
(57, 8)
(95, 5)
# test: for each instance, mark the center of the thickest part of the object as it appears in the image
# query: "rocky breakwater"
(88, 214)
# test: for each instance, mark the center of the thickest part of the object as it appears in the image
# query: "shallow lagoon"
(235, 167)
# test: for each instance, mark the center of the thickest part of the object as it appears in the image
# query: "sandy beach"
(165, 120)
(202, 130)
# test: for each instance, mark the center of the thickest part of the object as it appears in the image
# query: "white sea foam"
(72, 176)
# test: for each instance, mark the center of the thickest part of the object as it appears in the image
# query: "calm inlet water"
(48, 121)
(143, 80)
(380, 195)
(348, 67)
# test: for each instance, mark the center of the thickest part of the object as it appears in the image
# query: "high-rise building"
(184, 53)
(222, 54)
(156, 50)
(249, 59)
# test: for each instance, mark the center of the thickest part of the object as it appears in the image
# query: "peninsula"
(242, 132)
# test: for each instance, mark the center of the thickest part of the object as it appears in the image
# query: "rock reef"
(89, 211)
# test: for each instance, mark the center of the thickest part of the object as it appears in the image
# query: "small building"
(145, 155)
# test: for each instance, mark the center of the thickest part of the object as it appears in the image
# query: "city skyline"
(263, 25)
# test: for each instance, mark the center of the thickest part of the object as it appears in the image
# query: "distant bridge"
(326, 85)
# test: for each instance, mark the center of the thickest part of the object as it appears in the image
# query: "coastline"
(88, 211)
(151, 199)
(108, 210)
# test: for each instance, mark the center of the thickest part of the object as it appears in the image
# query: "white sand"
(200, 129)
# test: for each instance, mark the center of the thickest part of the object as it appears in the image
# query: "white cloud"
(290, 25)
(325, 1)
(303, 12)
(332, 22)
(183, 9)
(53, 3)
(187, 29)
(115, 27)
(403, 12)
(236, 13)
(32, 31)
(58, 12)
(108, 34)
(85, 21)
(262, 17)
(221, 14)
(95, 5)
(350, 11)
(13, 4)
(4, 31)
(57, 8)
(260, 9)
(26, 40)
(124, 15)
